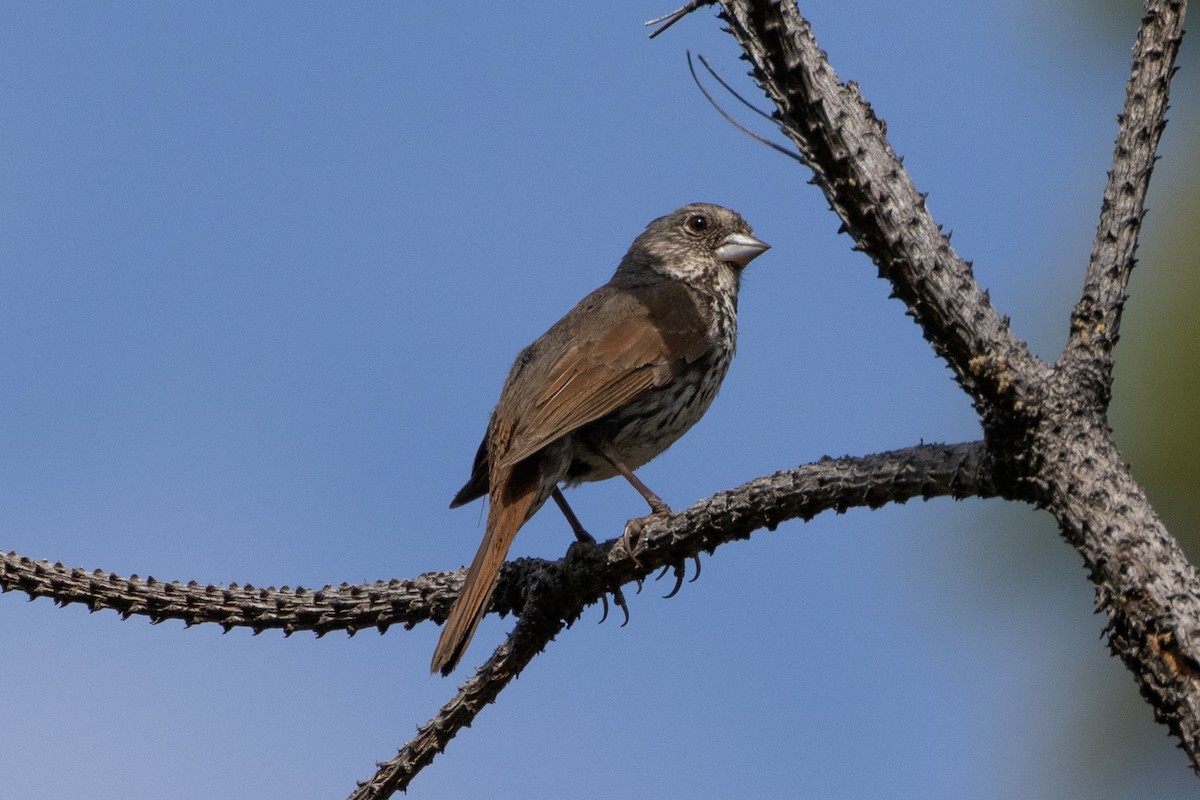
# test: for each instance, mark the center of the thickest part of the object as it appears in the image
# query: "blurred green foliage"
(1155, 412)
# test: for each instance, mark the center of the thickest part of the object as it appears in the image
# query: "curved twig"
(760, 139)
(732, 514)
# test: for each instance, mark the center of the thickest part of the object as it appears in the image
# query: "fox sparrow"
(610, 386)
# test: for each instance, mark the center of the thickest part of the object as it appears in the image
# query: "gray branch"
(803, 492)
(347, 607)
(546, 594)
(557, 592)
(528, 638)
(1046, 428)
(846, 146)
(1097, 316)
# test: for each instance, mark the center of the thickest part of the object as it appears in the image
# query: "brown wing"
(621, 343)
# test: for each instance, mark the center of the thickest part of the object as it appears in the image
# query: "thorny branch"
(1045, 427)
(527, 639)
(832, 484)
(547, 595)
(837, 484)
(866, 184)
(1097, 316)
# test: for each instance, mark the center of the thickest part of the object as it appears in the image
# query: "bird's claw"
(680, 571)
(633, 528)
(583, 547)
(619, 601)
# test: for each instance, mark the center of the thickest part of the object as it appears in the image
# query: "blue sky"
(265, 267)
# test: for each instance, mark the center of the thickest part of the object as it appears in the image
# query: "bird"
(608, 387)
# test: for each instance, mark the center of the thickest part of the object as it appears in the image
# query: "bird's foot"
(633, 528)
(680, 571)
(584, 548)
(619, 600)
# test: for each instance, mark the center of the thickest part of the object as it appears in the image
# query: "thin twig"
(730, 89)
(729, 119)
(670, 19)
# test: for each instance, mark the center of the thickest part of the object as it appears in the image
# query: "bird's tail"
(511, 504)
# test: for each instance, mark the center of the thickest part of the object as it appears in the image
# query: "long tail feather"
(511, 505)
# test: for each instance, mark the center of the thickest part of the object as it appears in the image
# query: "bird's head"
(698, 243)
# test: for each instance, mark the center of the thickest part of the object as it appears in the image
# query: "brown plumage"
(610, 386)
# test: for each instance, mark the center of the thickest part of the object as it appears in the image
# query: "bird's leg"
(634, 527)
(572, 520)
(586, 540)
(657, 507)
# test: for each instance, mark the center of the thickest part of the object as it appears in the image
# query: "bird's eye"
(697, 223)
